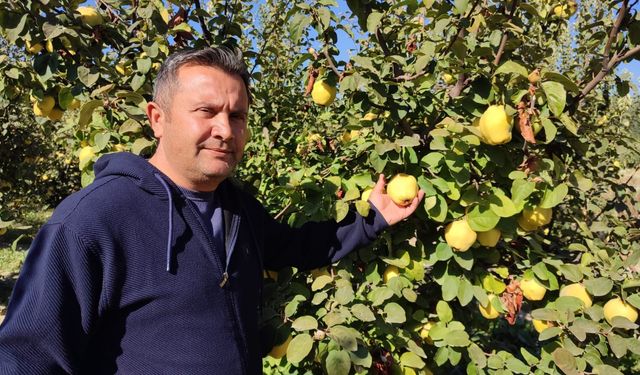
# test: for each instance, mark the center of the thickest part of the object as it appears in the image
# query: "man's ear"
(157, 118)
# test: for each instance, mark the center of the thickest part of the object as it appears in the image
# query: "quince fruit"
(402, 189)
(541, 325)
(617, 307)
(579, 291)
(279, 351)
(3, 231)
(370, 116)
(33, 48)
(532, 289)
(495, 126)
(567, 10)
(90, 16)
(488, 311)
(43, 107)
(75, 104)
(86, 153)
(424, 333)
(55, 114)
(489, 238)
(389, 273)
(322, 93)
(532, 219)
(448, 79)
(459, 235)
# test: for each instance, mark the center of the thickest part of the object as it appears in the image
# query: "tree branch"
(205, 30)
(505, 36)
(609, 63)
(385, 49)
(614, 31)
(325, 51)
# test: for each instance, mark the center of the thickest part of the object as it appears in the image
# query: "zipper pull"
(225, 278)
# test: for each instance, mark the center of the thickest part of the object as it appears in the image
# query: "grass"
(13, 249)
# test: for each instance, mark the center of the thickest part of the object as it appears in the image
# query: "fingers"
(379, 188)
(416, 201)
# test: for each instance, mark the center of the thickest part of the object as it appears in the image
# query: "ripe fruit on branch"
(534, 76)
(370, 116)
(323, 93)
(90, 16)
(617, 307)
(488, 311)
(579, 291)
(489, 238)
(389, 273)
(55, 114)
(34, 48)
(402, 189)
(43, 107)
(532, 289)
(567, 10)
(541, 325)
(495, 125)
(532, 219)
(448, 79)
(279, 351)
(86, 153)
(424, 333)
(459, 235)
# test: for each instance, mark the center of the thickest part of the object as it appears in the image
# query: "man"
(156, 266)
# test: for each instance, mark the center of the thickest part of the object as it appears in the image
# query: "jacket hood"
(137, 168)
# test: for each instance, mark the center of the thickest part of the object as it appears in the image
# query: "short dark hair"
(224, 58)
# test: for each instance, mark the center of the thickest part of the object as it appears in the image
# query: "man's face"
(203, 134)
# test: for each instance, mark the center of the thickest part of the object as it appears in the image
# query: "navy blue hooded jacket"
(124, 278)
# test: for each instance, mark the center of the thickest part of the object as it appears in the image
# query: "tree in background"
(524, 257)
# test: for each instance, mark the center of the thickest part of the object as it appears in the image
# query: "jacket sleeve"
(317, 244)
(53, 306)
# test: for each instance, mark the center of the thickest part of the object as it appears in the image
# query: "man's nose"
(221, 128)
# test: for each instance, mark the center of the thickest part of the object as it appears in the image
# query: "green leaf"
(501, 205)
(464, 259)
(140, 145)
(564, 360)
(297, 25)
(341, 209)
(561, 78)
(481, 218)
(394, 313)
(338, 363)
(305, 323)
(320, 282)
(344, 295)
(520, 191)
(600, 286)
(554, 197)
(362, 312)
(617, 344)
(556, 96)
(361, 357)
(517, 366)
(324, 17)
(569, 124)
(87, 76)
(444, 312)
(512, 67)
(143, 65)
(373, 22)
(137, 81)
(379, 295)
(101, 141)
(549, 333)
(443, 251)
(606, 369)
(410, 359)
(346, 337)
(465, 292)
(437, 212)
(477, 355)
(457, 338)
(299, 347)
(450, 287)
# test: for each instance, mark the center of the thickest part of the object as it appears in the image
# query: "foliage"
(409, 96)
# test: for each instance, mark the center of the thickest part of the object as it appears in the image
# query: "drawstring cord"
(170, 236)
